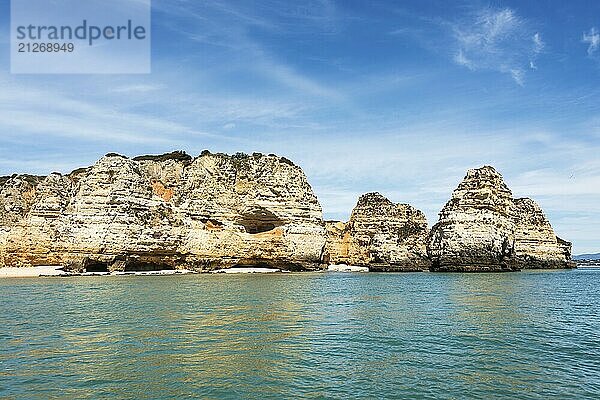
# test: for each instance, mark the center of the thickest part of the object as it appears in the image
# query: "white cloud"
(538, 43)
(461, 59)
(593, 39)
(518, 76)
(496, 39)
(488, 28)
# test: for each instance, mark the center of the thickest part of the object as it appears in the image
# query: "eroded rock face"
(337, 246)
(536, 244)
(482, 228)
(167, 211)
(380, 235)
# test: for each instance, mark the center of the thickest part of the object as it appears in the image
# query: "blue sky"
(400, 97)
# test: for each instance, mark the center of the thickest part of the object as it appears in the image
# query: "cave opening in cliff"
(96, 266)
(143, 266)
(251, 263)
(259, 220)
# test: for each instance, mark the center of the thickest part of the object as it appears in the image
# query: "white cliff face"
(168, 211)
(17, 196)
(251, 208)
(536, 244)
(475, 230)
(381, 235)
(482, 228)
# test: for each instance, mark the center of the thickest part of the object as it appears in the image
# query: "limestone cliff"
(536, 244)
(380, 235)
(482, 228)
(170, 211)
(218, 211)
(337, 245)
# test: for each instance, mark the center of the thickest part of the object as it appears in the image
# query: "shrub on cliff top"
(178, 155)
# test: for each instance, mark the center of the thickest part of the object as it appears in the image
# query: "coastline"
(30, 272)
(52, 271)
(58, 271)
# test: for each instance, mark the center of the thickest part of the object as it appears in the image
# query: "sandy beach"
(31, 272)
(247, 270)
(346, 268)
(34, 272)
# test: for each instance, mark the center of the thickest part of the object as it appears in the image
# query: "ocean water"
(528, 335)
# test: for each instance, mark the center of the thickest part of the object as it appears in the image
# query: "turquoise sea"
(527, 335)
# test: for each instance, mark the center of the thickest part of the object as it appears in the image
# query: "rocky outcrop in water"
(380, 235)
(482, 228)
(170, 211)
(536, 244)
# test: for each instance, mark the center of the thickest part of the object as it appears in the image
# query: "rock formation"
(536, 244)
(169, 211)
(380, 235)
(482, 228)
(218, 211)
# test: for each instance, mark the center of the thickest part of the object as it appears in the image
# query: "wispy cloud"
(592, 38)
(518, 75)
(25, 109)
(538, 43)
(461, 59)
(210, 23)
(496, 39)
(138, 88)
(292, 79)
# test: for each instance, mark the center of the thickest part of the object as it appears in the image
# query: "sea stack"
(164, 212)
(482, 228)
(536, 244)
(380, 235)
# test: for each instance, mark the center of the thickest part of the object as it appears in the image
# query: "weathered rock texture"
(167, 211)
(482, 228)
(536, 244)
(380, 235)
